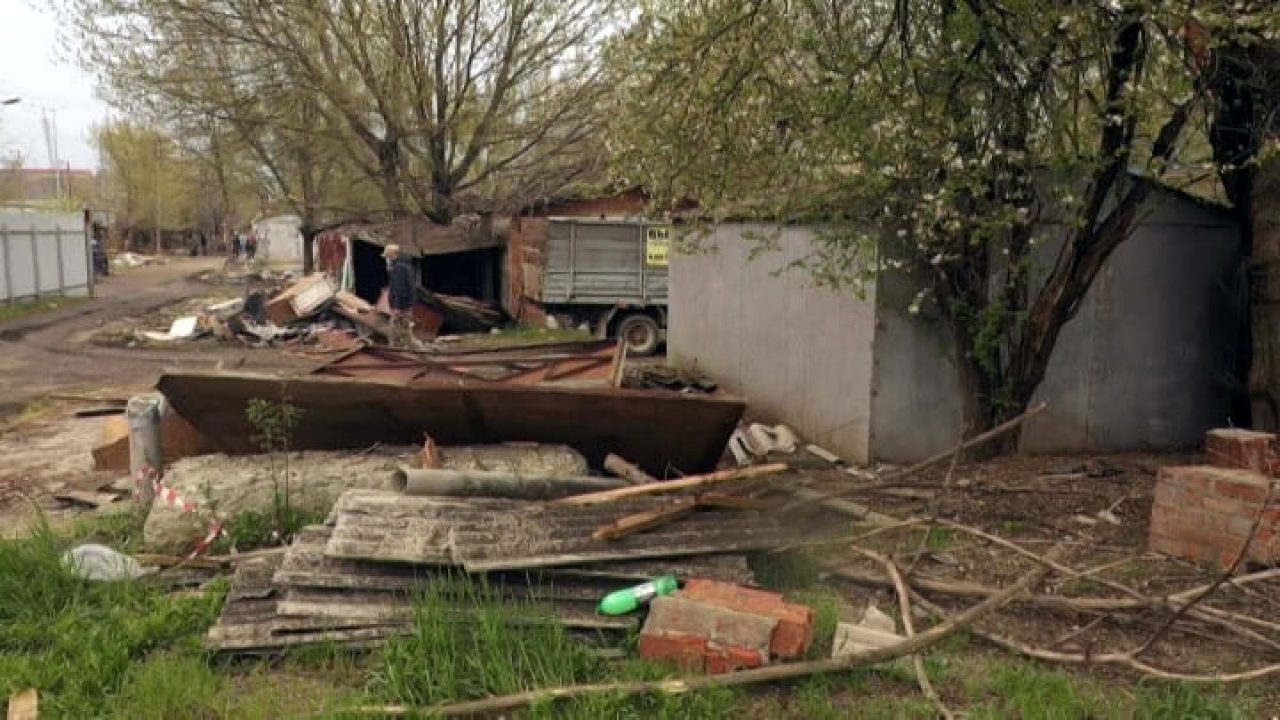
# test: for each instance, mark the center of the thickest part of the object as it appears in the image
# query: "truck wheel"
(640, 333)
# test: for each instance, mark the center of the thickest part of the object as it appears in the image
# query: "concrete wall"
(916, 403)
(1149, 357)
(797, 353)
(1145, 363)
(43, 254)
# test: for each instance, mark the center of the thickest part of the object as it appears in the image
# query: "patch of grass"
(825, 602)
(76, 641)
(253, 529)
(1012, 527)
(940, 538)
(500, 648)
(1006, 687)
(785, 571)
(29, 412)
(517, 335)
(466, 644)
(35, 307)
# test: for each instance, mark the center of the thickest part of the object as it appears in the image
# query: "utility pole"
(155, 184)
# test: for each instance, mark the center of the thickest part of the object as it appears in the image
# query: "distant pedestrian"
(251, 247)
(204, 244)
(235, 246)
(401, 288)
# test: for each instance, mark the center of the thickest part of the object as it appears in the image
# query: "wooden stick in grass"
(771, 673)
(904, 606)
(685, 483)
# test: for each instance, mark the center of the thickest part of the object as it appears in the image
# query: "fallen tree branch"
(685, 483)
(1121, 659)
(908, 624)
(1216, 616)
(1169, 602)
(771, 673)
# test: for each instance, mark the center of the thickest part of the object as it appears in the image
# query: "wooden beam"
(686, 483)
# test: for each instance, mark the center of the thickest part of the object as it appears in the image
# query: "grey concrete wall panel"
(1147, 361)
(916, 405)
(797, 353)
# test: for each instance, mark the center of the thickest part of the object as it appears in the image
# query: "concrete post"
(143, 412)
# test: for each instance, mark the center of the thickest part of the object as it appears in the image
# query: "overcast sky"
(30, 69)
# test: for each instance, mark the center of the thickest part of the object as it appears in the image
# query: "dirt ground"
(50, 366)
(1097, 508)
(53, 352)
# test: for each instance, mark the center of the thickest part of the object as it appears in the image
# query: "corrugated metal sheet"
(657, 430)
(486, 535)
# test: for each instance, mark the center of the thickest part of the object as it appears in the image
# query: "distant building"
(31, 187)
(279, 238)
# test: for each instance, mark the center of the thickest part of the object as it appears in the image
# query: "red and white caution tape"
(215, 531)
(148, 475)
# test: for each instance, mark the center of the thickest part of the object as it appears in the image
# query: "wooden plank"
(25, 705)
(655, 429)
(627, 471)
(686, 483)
(640, 522)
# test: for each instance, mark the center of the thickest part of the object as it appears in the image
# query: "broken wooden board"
(486, 535)
(656, 430)
(24, 705)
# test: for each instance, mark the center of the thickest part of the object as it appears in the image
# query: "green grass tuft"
(77, 641)
(466, 644)
(15, 311)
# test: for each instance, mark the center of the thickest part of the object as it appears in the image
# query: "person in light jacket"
(401, 289)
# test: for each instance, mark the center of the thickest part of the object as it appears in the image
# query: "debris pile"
(353, 580)
(313, 310)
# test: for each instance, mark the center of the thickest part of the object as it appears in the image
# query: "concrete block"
(793, 633)
(676, 614)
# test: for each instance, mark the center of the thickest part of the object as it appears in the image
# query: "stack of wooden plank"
(353, 580)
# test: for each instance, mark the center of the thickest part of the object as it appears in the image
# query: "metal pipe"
(471, 483)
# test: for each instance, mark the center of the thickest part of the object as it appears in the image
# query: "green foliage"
(825, 602)
(274, 423)
(1001, 688)
(15, 311)
(503, 648)
(77, 642)
(251, 529)
(943, 142)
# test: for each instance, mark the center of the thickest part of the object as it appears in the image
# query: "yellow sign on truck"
(657, 245)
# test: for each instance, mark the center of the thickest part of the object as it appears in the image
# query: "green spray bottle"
(622, 602)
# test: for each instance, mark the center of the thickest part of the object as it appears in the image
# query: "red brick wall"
(1204, 513)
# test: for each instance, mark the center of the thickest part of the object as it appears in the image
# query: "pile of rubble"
(313, 310)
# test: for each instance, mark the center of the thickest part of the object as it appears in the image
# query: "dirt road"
(50, 351)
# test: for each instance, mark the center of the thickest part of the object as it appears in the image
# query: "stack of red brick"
(720, 627)
(1205, 513)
